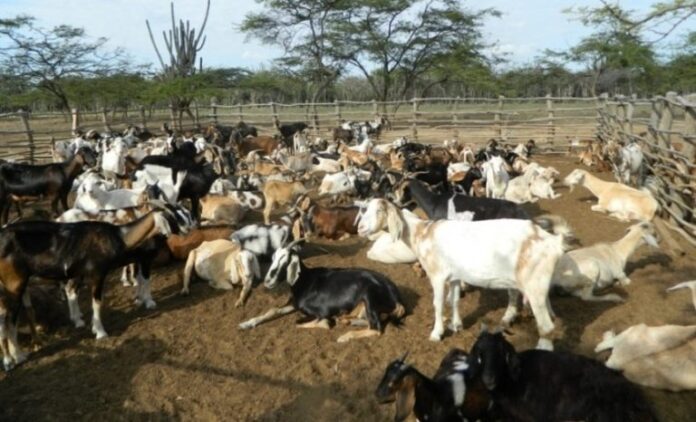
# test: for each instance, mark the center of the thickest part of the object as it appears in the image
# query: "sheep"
(582, 271)
(222, 209)
(328, 293)
(223, 263)
(59, 251)
(622, 202)
(453, 394)
(50, 181)
(516, 255)
(496, 177)
(659, 357)
(538, 385)
(280, 193)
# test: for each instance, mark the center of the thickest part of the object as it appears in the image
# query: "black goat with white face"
(325, 294)
(538, 385)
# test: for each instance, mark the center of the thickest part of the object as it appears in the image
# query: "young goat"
(280, 193)
(223, 264)
(538, 385)
(329, 222)
(516, 255)
(453, 394)
(583, 270)
(328, 293)
(620, 201)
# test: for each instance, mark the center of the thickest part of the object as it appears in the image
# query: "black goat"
(439, 206)
(324, 294)
(241, 131)
(51, 181)
(453, 394)
(87, 250)
(196, 185)
(182, 158)
(538, 385)
(288, 130)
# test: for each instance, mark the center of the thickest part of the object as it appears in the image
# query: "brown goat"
(278, 192)
(340, 134)
(329, 222)
(181, 245)
(266, 144)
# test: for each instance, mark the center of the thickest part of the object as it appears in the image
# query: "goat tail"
(188, 271)
(399, 311)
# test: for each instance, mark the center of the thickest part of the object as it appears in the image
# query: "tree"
(408, 38)
(46, 59)
(303, 28)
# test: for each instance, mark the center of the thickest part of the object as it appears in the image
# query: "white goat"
(691, 285)
(509, 254)
(658, 357)
(583, 270)
(628, 163)
(299, 142)
(364, 147)
(496, 177)
(223, 263)
(620, 201)
(114, 158)
(162, 177)
(341, 182)
(92, 198)
(251, 200)
(327, 165)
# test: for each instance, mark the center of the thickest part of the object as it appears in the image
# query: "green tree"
(48, 58)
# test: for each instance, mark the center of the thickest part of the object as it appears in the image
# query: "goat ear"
(293, 270)
(394, 223)
(513, 364)
(405, 400)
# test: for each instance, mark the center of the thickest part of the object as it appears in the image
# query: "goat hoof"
(435, 337)
(150, 304)
(246, 326)
(455, 327)
(79, 323)
(625, 281)
(343, 339)
(184, 292)
(238, 304)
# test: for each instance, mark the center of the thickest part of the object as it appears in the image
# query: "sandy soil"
(187, 360)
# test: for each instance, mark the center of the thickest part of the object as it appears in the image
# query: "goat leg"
(268, 316)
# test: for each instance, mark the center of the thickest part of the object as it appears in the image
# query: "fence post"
(374, 108)
(213, 109)
(497, 117)
(601, 103)
(240, 112)
(455, 119)
(172, 115)
(690, 128)
(143, 120)
(315, 119)
(196, 116)
(75, 120)
(105, 120)
(24, 117)
(414, 123)
(337, 108)
(665, 123)
(274, 115)
(551, 125)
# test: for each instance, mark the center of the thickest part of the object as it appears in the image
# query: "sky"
(526, 28)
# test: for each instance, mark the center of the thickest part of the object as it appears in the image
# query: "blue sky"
(526, 28)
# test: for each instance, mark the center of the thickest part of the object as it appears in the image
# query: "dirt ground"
(187, 360)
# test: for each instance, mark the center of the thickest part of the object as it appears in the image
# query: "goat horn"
(402, 359)
(484, 328)
(296, 242)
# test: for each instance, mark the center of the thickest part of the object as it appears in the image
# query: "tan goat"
(278, 192)
(222, 209)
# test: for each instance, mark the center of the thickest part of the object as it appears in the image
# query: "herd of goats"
(452, 211)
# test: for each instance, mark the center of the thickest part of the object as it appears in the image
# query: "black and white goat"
(324, 294)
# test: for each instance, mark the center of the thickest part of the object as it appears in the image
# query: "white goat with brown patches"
(620, 201)
(280, 193)
(583, 270)
(658, 357)
(509, 254)
(224, 264)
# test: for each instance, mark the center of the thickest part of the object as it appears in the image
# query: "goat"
(582, 271)
(288, 130)
(516, 255)
(329, 222)
(327, 293)
(628, 165)
(334, 184)
(152, 176)
(51, 181)
(453, 394)
(658, 357)
(265, 144)
(691, 285)
(180, 245)
(223, 263)
(251, 200)
(538, 385)
(222, 209)
(277, 192)
(196, 185)
(262, 240)
(496, 177)
(182, 158)
(620, 201)
(59, 251)
(92, 198)
(441, 206)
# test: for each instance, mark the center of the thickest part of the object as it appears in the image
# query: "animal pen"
(665, 127)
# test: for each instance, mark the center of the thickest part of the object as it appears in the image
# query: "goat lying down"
(324, 294)
(658, 357)
(516, 255)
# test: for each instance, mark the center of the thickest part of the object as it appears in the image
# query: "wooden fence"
(665, 127)
(550, 120)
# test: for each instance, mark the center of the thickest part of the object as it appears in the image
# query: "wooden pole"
(24, 117)
(497, 117)
(240, 112)
(315, 119)
(551, 125)
(414, 122)
(105, 120)
(213, 110)
(455, 118)
(337, 108)
(665, 123)
(374, 108)
(75, 121)
(196, 116)
(689, 149)
(143, 119)
(274, 116)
